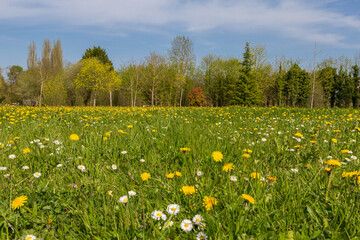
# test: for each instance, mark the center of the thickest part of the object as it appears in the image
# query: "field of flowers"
(179, 173)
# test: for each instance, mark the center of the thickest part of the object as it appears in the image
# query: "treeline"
(176, 79)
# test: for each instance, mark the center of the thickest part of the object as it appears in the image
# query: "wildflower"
(157, 215)
(248, 198)
(145, 176)
(217, 156)
(3, 168)
(74, 137)
(186, 225)
(247, 151)
(197, 219)
(131, 193)
(199, 173)
(26, 150)
(107, 134)
(142, 160)
(313, 142)
(228, 167)
(328, 169)
(178, 174)
(12, 156)
(271, 179)
(170, 175)
(263, 139)
(233, 178)
(30, 237)
(173, 209)
(298, 135)
(188, 190)
(105, 138)
(81, 167)
(130, 126)
(353, 157)
(344, 151)
(294, 170)
(25, 167)
(124, 199)
(201, 236)
(246, 155)
(59, 165)
(7, 175)
(37, 174)
(307, 165)
(333, 162)
(169, 224)
(185, 149)
(110, 192)
(255, 175)
(334, 140)
(114, 166)
(124, 152)
(209, 202)
(74, 185)
(18, 202)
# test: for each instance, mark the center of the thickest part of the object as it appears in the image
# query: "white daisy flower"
(233, 178)
(37, 174)
(201, 236)
(124, 152)
(199, 173)
(124, 199)
(114, 166)
(142, 160)
(197, 219)
(173, 209)
(3, 168)
(353, 157)
(157, 215)
(131, 193)
(59, 165)
(186, 225)
(12, 156)
(25, 167)
(294, 170)
(81, 167)
(329, 157)
(263, 139)
(30, 237)
(169, 224)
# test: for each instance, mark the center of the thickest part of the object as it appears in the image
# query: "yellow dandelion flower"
(298, 135)
(247, 151)
(170, 175)
(246, 155)
(255, 175)
(26, 150)
(313, 142)
(178, 174)
(74, 137)
(105, 138)
(344, 151)
(107, 134)
(248, 198)
(271, 179)
(333, 162)
(185, 149)
(228, 167)
(188, 190)
(145, 176)
(217, 156)
(18, 202)
(334, 140)
(209, 202)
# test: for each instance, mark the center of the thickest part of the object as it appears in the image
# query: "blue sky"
(130, 29)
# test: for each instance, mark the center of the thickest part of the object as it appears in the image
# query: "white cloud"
(300, 19)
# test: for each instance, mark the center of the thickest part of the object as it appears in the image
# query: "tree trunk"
(41, 92)
(152, 96)
(110, 98)
(181, 94)
(94, 99)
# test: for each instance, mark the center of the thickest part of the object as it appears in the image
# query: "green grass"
(302, 205)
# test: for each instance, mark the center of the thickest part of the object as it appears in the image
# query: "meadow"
(179, 173)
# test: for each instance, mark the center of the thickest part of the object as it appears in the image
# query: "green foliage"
(98, 53)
